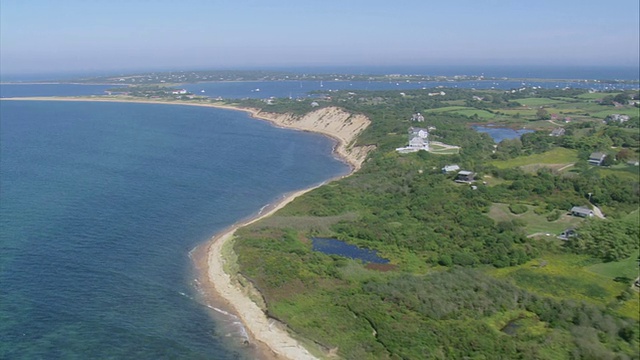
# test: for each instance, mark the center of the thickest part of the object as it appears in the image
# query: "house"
(415, 144)
(617, 118)
(417, 117)
(466, 177)
(420, 132)
(418, 140)
(567, 234)
(179, 92)
(557, 132)
(596, 158)
(581, 211)
(450, 168)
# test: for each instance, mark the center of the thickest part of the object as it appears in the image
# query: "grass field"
(554, 156)
(594, 96)
(443, 149)
(626, 172)
(627, 268)
(463, 110)
(539, 101)
(633, 217)
(522, 112)
(611, 110)
(568, 276)
(535, 223)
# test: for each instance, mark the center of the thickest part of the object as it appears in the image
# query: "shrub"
(554, 215)
(518, 208)
(540, 210)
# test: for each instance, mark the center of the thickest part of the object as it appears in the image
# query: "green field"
(628, 172)
(535, 224)
(539, 101)
(465, 111)
(444, 151)
(554, 156)
(633, 217)
(611, 110)
(594, 96)
(625, 268)
(567, 276)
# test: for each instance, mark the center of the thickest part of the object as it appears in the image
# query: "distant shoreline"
(208, 258)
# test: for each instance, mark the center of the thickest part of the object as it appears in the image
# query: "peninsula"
(496, 263)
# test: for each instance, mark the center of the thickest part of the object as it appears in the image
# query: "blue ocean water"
(101, 204)
(27, 90)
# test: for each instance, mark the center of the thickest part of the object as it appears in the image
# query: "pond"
(337, 247)
(498, 133)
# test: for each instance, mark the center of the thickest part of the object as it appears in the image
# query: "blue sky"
(39, 36)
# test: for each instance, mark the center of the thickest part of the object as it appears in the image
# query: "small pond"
(512, 327)
(337, 247)
(498, 133)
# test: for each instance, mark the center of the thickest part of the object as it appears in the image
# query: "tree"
(621, 98)
(543, 114)
(624, 154)
(608, 160)
(606, 240)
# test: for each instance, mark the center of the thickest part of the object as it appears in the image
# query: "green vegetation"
(611, 240)
(627, 268)
(541, 101)
(554, 156)
(573, 277)
(535, 220)
(472, 273)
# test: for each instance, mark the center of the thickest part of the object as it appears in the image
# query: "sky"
(57, 36)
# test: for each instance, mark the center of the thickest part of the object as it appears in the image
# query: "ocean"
(101, 204)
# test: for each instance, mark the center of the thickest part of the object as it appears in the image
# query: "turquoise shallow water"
(101, 204)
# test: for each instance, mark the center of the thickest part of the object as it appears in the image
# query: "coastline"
(215, 284)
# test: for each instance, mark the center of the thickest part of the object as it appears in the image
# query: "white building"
(450, 168)
(418, 140)
(417, 117)
(419, 132)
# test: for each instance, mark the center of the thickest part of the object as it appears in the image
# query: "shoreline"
(270, 340)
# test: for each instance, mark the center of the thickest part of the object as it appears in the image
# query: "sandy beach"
(272, 341)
